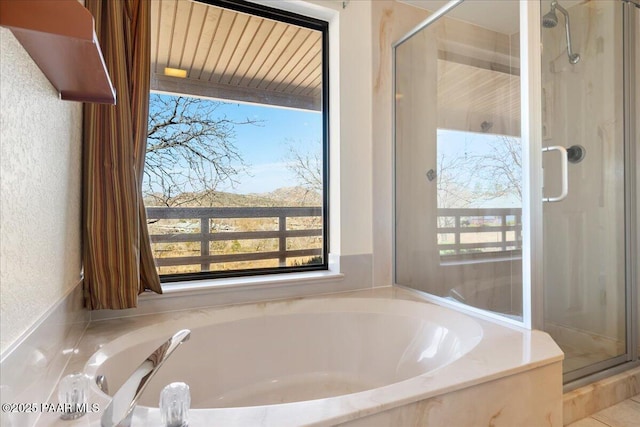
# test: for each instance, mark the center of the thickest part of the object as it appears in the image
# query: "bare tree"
(305, 161)
(471, 178)
(190, 150)
(501, 168)
(454, 188)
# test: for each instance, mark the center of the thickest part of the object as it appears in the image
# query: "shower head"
(550, 20)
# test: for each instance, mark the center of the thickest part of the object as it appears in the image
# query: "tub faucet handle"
(175, 400)
(73, 391)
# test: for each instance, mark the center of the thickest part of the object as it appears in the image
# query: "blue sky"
(265, 146)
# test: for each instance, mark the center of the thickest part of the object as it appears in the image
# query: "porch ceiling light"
(175, 72)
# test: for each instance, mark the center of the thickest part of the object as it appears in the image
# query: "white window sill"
(243, 283)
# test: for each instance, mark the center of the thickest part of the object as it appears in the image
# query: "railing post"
(518, 233)
(204, 242)
(456, 235)
(208, 259)
(282, 240)
(503, 223)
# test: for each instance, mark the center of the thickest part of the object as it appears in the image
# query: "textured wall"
(40, 171)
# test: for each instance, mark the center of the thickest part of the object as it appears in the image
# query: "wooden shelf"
(60, 37)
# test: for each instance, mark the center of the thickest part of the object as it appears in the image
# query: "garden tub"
(323, 361)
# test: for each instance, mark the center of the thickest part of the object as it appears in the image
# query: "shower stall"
(514, 169)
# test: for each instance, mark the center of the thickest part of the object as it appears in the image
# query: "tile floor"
(624, 414)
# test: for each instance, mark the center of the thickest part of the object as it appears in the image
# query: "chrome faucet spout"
(120, 410)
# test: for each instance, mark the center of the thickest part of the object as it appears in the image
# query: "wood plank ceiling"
(469, 95)
(234, 56)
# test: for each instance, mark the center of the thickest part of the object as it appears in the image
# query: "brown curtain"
(118, 263)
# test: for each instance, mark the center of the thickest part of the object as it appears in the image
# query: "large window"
(479, 195)
(479, 153)
(236, 163)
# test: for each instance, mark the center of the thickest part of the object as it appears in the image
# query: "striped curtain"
(118, 263)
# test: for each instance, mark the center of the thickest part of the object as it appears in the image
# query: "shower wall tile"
(584, 247)
(391, 20)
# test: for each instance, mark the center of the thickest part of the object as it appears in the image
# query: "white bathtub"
(305, 350)
(323, 362)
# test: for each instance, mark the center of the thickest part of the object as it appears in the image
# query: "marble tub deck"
(514, 377)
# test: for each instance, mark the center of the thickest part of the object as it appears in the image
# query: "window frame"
(313, 24)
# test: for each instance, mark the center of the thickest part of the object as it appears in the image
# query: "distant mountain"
(293, 196)
(286, 196)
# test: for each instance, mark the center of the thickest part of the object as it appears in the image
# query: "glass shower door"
(583, 98)
(458, 158)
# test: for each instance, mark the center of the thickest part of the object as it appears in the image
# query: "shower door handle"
(564, 165)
